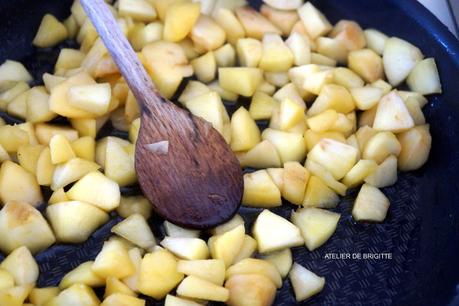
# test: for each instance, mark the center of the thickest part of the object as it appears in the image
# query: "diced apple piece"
(227, 226)
(255, 24)
(312, 138)
(263, 155)
(17, 184)
(326, 176)
(282, 260)
(282, 19)
(115, 286)
(294, 182)
(424, 78)
(212, 270)
(376, 40)
(370, 205)
(336, 157)
(158, 274)
(250, 289)
(380, 146)
(113, 260)
(244, 131)
(230, 24)
(314, 21)
(140, 36)
(207, 34)
(40, 296)
(38, 106)
(66, 219)
(399, 57)
(180, 19)
(333, 49)
(300, 47)
(247, 250)
(316, 225)
(290, 146)
(22, 266)
(17, 221)
(119, 163)
(6, 279)
(97, 189)
(225, 56)
(367, 64)
(77, 294)
(136, 230)
(290, 114)
(274, 233)
(12, 137)
(186, 248)
(120, 299)
(14, 296)
(140, 10)
(175, 301)
(346, 77)
(360, 172)
(416, 144)
(83, 274)
(406, 95)
(276, 56)
(91, 98)
(71, 171)
(45, 132)
(132, 280)
(323, 122)
(350, 34)
(45, 168)
(205, 67)
(385, 174)
(176, 231)
(13, 71)
(318, 194)
(305, 283)
(289, 91)
(262, 106)
(260, 190)
(392, 114)
(195, 287)
(50, 32)
(333, 97)
(240, 80)
(28, 156)
(60, 149)
(366, 97)
(415, 111)
(226, 246)
(256, 266)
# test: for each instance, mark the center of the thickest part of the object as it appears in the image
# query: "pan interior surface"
(410, 259)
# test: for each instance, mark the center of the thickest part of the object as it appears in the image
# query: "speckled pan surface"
(422, 229)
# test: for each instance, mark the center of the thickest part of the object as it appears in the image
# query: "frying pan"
(421, 231)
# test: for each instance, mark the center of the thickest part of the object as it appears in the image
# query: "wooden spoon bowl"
(192, 178)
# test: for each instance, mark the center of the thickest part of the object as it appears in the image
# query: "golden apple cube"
(176, 231)
(13, 71)
(113, 260)
(277, 175)
(274, 233)
(300, 47)
(322, 122)
(247, 250)
(6, 279)
(260, 190)
(186, 248)
(83, 274)
(380, 146)
(205, 67)
(226, 246)
(115, 286)
(60, 149)
(17, 221)
(385, 174)
(284, 20)
(139, 10)
(230, 24)
(228, 225)
(367, 64)
(376, 40)
(255, 24)
(370, 205)
(294, 182)
(207, 34)
(71, 171)
(66, 219)
(50, 32)
(315, 23)
(290, 114)
(263, 155)
(366, 97)
(305, 283)
(361, 170)
(336, 157)
(399, 57)
(241, 80)
(424, 78)
(333, 97)
(262, 106)
(326, 176)
(290, 146)
(282, 260)
(40, 296)
(250, 289)
(350, 34)
(392, 114)
(179, 20)
(416, 144)
(77, 294)
(312, 138)
(318, 194)
(245, 133)
(17, 184)
(195, 287)
(22, 266)
(91, 98)
(316, 225)
(136, 230)
(158, 274)
(14, 296)
(28, 156)
(45, 132)
(276, 56)
(212, 270)
(209, 107)
(332, 48)
(120, 299)
(12, 137)
(256, 266)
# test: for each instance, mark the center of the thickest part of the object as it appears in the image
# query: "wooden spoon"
(197, 181)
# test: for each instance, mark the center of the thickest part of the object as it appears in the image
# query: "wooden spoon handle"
(122, 53)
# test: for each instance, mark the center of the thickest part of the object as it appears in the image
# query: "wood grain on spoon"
(197, 182)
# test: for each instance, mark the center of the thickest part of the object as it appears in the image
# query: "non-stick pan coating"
(421, 231)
